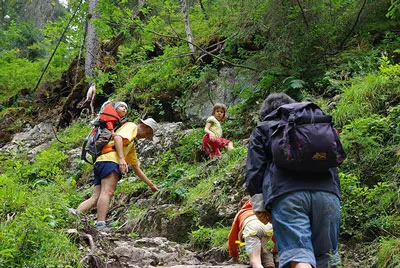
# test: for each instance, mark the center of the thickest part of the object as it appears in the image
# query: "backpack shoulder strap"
(84, 152)
(269, 123)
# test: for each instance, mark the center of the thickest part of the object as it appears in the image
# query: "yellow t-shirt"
(128, 132)
(215, 126)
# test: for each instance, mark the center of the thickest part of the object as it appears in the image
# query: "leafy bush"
(35, 196)
(160, 169)
(371, 144)
(369, 94)
(220, 237)
(389, 253)
(48, 166)
(201, 238)
(14, 197)
(189, 149)
(32, 235)
(16, 73)
(368, 212)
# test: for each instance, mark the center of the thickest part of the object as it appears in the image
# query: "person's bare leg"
(255, 259)
(230, 146)
(299, 265)
(90, 203)
(108, 185)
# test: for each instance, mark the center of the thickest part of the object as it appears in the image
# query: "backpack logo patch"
(318, 156)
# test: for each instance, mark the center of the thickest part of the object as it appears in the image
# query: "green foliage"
(368, 212)
(13, 195)
(201, 238)
(32, 235)
(72, 136)
(135, 212)
(35, 196)
(220, 237)
(176, 193)
(389, 252)
(371, 144)
(16, 73)
(48, 167)
(368, 95)
(205, 238)
(189, 149)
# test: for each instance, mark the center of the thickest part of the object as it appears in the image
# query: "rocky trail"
(116, 248)
(156, 247)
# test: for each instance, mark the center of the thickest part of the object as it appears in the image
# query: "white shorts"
(256, 234)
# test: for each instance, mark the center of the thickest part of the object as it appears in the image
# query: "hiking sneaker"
(101, 227)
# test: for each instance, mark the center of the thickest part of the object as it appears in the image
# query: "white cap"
(120, 103)
(150, 122)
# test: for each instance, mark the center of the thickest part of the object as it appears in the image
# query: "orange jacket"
(237, 225)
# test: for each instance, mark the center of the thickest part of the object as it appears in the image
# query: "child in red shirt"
(112, 115)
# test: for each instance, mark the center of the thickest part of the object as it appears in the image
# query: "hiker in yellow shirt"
(113, 162)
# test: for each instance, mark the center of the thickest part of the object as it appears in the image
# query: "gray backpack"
(98, 137)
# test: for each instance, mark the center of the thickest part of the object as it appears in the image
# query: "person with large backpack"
(113, 162)
(292, 177)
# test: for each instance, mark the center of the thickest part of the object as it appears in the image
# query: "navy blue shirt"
(263, 176)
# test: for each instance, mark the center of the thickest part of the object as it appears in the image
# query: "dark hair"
(221, 106)
(272, 102)
(243, 201)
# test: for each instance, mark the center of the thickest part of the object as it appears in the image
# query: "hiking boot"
(101, 227)
(267, 259)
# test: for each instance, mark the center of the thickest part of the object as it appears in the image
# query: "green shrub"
(14, 197)
(48, 166)
(34, 237)
(220, 237)
(388, 255)
(368, 212)
(189, 149)
(160, 169)
(371, 144)
(369, 94)
(201, 238)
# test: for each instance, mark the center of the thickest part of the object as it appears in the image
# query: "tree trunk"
(188, 30)
(92, 43)
(139, 6)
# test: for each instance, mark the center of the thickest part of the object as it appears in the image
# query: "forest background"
(342, 54)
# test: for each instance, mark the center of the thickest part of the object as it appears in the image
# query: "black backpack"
(304, 138)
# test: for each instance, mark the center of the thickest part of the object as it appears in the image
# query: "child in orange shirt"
(255, 234)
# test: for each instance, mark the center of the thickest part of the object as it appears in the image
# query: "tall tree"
(188, 29)
(92, 44)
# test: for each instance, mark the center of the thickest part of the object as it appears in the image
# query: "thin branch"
(209, 53)
(303, 14)
(354, 25)
(55, 134)
(80, 52)
(58, 43)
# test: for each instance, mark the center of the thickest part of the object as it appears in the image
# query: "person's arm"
(256, 165)
(123, 166)
(232, 238)
(138, 171)
(209, 132)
